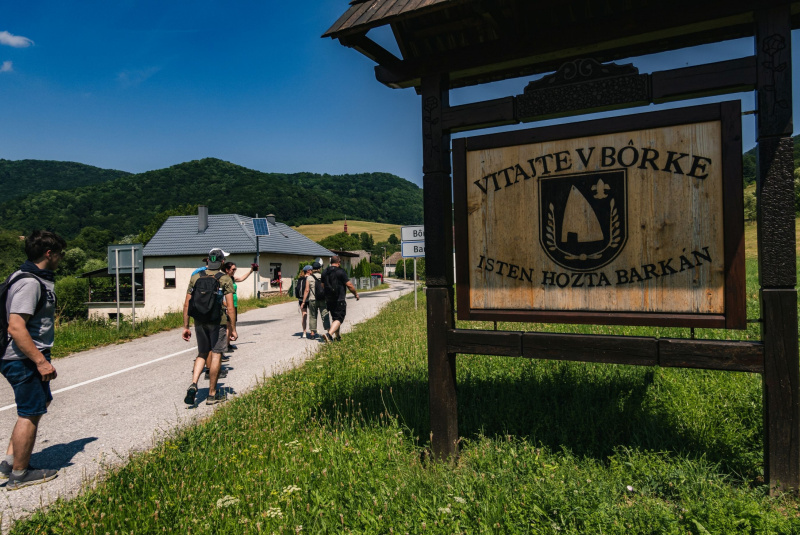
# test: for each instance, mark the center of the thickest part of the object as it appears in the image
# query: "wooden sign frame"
(733, 315)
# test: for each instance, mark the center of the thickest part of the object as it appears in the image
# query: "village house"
(391, 262)
(181, 244)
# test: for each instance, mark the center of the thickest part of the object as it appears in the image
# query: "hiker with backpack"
(27, 318)
(299, 292)
(230, 269)
(314, 296)
(336, 283)
(209, 301)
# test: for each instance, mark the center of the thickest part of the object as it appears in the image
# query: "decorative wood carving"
(582, 85)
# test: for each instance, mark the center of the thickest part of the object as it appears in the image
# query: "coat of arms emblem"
(583, 218)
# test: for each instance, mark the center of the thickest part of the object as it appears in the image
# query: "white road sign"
(414, 233)
(413, 249)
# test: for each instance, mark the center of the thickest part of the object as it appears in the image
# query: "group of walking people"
(27, 329)
(323, 294)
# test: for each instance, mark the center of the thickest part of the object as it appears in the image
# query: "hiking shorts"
(213, 338)
(31, 394)
(337, 310)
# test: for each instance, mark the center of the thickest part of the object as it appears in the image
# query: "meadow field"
(340, 445)
(380, 231)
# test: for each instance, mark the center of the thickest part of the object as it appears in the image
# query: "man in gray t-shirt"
(30, 307)
(23, 298)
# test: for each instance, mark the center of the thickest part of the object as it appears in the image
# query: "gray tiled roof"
(233, 233)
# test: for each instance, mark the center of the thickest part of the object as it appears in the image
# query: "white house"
(181, 244)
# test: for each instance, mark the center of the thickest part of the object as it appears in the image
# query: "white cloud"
(133, 78)
(17, 41)
(6, 66)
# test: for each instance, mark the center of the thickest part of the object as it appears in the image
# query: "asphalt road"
(115, 400)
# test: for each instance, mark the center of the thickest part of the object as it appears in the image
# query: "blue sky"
(141, 85)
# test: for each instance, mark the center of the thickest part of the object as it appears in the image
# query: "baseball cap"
(316, 265)
(307, 268)
(216, 257)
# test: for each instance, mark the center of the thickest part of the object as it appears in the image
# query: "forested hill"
(126, 205)
(19, 178)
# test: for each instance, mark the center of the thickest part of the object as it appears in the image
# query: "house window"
(169, 277)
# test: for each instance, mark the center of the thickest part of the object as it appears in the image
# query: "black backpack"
(5, 339)
(331, 283)
(205, 304)
(300, 288)
(319, 288)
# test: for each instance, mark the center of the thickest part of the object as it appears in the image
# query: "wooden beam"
(485, 114)
(439, 272)
(711, 355)
(776, 250)
(730, 76)
(471, 342)
(641, 351)
(370, 48)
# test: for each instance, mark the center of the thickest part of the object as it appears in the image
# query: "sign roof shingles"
(179, 236)
(365, 14)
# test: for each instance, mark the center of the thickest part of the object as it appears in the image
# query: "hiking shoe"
(219, 397)
(5, 469)
(232, 347)
(225, 358)
(223, 373)
(327, 337)
(189, 399)
(30, 477)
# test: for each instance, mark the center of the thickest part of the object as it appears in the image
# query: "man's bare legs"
(214, 365)
(23, 437)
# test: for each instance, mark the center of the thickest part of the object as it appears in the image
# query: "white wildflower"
(459, 499)
(445, 510)
(290, 489)
(274, 512)
(226, 501)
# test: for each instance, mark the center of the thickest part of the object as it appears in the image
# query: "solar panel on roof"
(260, 227)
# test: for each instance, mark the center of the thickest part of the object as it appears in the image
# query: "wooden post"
(437, 191)
(776, 250)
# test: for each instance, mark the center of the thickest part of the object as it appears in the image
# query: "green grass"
(80, 335)
(338, 446)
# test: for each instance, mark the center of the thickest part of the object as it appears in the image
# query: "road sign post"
(413, 246)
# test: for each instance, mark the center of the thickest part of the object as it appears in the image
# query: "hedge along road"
(112, 401)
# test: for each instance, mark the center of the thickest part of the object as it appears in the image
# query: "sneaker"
(337, 337)
(225, 358)
(30, 477)
(219, 397)
(5, 469)
(223, 373)
(232, 347)
(327, 337)
(191, 392)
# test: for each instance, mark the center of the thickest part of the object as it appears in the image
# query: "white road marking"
(7, 407)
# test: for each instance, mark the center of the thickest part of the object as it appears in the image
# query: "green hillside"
(128, 204)
(19, 178)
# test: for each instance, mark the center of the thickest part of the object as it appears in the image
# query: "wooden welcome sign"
(635, 220)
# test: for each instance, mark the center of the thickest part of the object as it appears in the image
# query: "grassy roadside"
(547, 447)
(81, 335)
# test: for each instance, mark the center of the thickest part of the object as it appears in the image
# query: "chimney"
(202, 218)
(271, 219)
